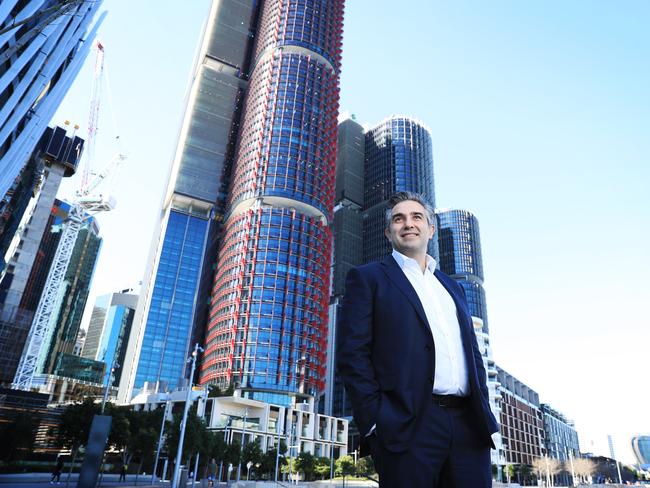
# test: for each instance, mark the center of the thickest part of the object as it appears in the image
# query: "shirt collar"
(405, 261)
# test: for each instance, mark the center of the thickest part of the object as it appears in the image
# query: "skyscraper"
(641, 448)
(172, 311)
(268, 315)
(39, 60)
(398, 157)
(459, 242)
(109, 330)
(347, 249)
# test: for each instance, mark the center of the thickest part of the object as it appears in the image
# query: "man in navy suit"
(407, 353)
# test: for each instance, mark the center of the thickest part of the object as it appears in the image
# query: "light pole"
(241, 447)
(108, 383)
(188, 399)
(160, 439)
(573, 473)
(277, 452)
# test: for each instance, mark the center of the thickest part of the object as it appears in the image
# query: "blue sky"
(539, 114)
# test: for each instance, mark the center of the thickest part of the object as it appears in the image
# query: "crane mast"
(85, 204)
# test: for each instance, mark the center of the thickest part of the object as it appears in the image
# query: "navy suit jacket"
(385, 354)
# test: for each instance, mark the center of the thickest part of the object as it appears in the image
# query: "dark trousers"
(446, 452)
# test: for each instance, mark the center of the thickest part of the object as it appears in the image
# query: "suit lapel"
(397, 276)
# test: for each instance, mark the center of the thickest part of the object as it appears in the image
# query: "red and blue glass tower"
(267, 323)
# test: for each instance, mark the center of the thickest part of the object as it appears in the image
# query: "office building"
(267, 326)
(39, 60)
(348, 204)
(109, 329)
(459, 244)
(347, 249)
(522, 424)
(172, 311)
(76, 285)
(398, 157)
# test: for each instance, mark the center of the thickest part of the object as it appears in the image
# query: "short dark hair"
(404, 196)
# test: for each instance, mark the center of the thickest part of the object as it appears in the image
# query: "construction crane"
(86, 204)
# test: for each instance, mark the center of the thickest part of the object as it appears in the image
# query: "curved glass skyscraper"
(459, 244)
(641, 448)
(268, 313)
(398, 158)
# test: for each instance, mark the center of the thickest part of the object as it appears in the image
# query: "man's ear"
(387, 234)
(433, 231)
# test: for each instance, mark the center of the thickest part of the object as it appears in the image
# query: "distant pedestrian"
(56, 474)
(212, 472)
(125, 469)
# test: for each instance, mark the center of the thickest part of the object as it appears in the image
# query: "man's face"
(409, 231)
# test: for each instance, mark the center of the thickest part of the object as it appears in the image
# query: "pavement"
(42, 480)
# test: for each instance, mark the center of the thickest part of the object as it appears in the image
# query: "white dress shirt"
(440, 309)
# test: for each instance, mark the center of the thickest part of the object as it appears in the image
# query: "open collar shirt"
(450, 362)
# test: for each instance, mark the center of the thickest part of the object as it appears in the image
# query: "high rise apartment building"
(398, 157)
(39, 60)
(109, 329)
(560, 435)
(172, 311)
(267, 324)
(459, 243)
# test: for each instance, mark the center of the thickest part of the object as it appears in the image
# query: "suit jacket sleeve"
(354, 350)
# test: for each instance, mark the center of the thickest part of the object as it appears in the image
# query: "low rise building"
(522, 425)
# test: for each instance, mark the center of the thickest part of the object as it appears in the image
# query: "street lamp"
(114, 366)
(241, 447)
(168, 404)
(188, 398)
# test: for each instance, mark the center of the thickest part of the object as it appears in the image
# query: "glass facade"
(398, 157)
(459, 243)
(268, 317)
(175, 307)
(109, 329)
(267, 312)
(40, 60)
(79, 368)
(165, 345)
(641, 448)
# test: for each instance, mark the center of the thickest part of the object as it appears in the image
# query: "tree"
(144, 427)
(554, 468)
(268, 460)
(194, 435)
(322, 467)
(252, 453)
(584, 468)
(232, 453)
(345, 466)
(306, 463)
(525, 472)
(539, 466)
(509, 471)
(365, 467)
